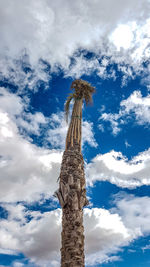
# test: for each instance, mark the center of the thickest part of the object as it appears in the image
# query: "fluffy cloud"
(55, 31)
(26, 170)
(17, 109)
(138, 105)
(38, 237)
(32, 123)
(134, 107)
(11, 103)
(117, 169)
(134, 212)
(32, 232)
(104, 232)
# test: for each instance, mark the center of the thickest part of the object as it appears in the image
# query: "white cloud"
(110, 230)
(56, 135)
(112, 118)
(117, 169)
(88, 134)
(11, 103)
(106, 232)
(39, 238)
(21, 74)
(82, 66)
(135, 107)
(18, 264)
(122, 37)
(127, 144)
(135, 213)
(7, 252)
(138, 105)
(17, 108)
(55, 31)
(26, 170)
(32, 123)
(147, 247)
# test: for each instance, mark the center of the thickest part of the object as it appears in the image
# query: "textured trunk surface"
(72, 251)
(72, 194)
(73, 139)
(72, 184)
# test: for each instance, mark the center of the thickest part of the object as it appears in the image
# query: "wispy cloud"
(120, 34)
(136, 107)
(127, 144)
(117, 169)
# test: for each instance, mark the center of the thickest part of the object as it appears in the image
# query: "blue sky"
(44, 46)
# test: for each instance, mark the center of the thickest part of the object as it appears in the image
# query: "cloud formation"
(35, 234)
(106, 231)
(117, 169)
(26, 170)
(55, 32)
(134, 212)
(136, 107)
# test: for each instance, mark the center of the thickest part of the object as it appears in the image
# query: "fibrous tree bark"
(72, 191)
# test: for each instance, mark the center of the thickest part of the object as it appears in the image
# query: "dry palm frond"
(67, 104)
(83, 90)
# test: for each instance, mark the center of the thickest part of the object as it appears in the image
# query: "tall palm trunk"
(73, 139)
(72, 193)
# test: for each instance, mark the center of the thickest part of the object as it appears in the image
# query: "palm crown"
(82, 90)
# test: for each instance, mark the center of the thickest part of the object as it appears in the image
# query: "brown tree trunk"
(72, 184)
(73, 139)
(72, 194)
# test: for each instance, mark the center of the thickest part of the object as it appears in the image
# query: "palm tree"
(72, 192)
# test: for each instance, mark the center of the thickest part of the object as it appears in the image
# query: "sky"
(44, 46)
